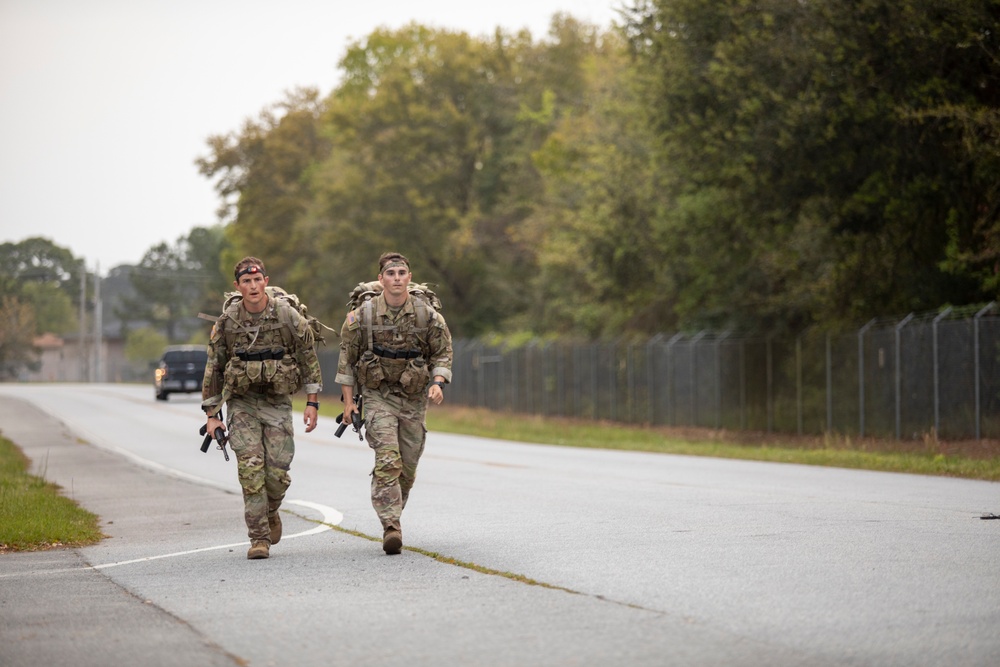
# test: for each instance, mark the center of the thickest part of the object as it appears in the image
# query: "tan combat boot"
(392, 541)
(258, 549)
(274, 523)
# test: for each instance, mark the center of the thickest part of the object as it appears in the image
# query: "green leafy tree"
(416, 128)
(172, 283)
(815, 168)
(144, 346)
(164, 291)
(40, 260)
(53, 307)
(433, 134)
(17, 331)
(426, 147)
(46, 277)
(204, 249)
(262, 175)
(600, 272)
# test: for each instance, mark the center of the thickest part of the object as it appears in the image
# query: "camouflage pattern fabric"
(398, 332)
(396, 430)
(261, 436)
(395, 403)
(237, 330)
(259, 418)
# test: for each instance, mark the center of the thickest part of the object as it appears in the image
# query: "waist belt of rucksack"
(263, 355)
(395, 354)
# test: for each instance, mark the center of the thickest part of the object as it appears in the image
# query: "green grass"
(928, 456)
(33, 513)
(972, 460)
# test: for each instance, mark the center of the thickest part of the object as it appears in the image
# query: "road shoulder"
(55, 607)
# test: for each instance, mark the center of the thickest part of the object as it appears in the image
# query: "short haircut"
(244, 263)
(391, 258)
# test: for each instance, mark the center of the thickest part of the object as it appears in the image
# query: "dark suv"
(180, 371)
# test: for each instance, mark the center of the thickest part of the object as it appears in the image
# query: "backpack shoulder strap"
(284, 307)
(420, 308)
(228, 322)
(367, 307)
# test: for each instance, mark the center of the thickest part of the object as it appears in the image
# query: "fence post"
(937, 389)
(861, 378)
(975, 352)
(743, 384)
(798, 383)
(531, 405)
(671, 395)
(694, 375)
(594, 384)
(612, 382)
(476, 368)
(718, 380)
(770, 382)
(899, 376)
(651, 377)
(829, 385)
(632, 412)
(558, 382)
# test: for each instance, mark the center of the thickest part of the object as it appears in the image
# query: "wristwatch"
(439, 383)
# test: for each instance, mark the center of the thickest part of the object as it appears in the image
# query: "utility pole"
(82, 352)
(98, 327)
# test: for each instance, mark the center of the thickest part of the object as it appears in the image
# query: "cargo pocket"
(237, 380)
(414, 378)
(286, 378)
(372, 373)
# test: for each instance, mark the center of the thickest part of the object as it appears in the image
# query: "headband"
(394, 263)
(253, 268)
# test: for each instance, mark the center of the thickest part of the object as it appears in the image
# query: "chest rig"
(260, 353)
(394, 354)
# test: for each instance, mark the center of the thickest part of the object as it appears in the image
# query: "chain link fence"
(932, 373)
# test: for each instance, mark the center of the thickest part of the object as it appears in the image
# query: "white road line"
(331, 517)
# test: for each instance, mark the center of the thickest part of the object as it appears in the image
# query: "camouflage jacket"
(402, 358)
(275, 355)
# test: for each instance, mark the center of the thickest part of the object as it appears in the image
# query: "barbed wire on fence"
(894, 377)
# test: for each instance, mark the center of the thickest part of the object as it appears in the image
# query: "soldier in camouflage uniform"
(261, 352)
(398, 352)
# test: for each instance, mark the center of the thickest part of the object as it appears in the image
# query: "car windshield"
(185, 357)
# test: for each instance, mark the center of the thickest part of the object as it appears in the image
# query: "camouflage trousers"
(261, 436)
(395, 429)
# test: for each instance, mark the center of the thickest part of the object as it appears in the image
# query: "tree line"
(768, 165)
(761, 166)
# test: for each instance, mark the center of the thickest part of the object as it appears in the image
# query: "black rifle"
(220, 436)
(356, 420)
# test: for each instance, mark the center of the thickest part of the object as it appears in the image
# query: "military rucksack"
(424, 299)
(287, 330)
(425, 304)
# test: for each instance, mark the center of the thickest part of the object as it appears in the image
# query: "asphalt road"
(623, 558)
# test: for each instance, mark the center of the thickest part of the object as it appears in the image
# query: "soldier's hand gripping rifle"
(220, 436)
(356, 419)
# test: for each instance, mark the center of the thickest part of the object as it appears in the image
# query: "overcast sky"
(105, 104)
